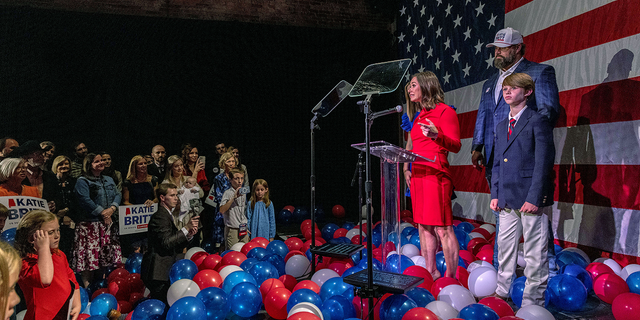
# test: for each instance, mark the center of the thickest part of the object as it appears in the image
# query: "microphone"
(396, 109)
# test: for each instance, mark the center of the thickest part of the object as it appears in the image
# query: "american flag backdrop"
(592, 44)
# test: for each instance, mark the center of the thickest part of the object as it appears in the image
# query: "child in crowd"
(232, 207)
(47, 281)
(4, 215)
(190, 204)
(262, 221)
(9, 273)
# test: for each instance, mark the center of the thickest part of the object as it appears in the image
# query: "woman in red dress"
(435, 133)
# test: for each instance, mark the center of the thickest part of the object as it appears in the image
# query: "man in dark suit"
(522, 189)
(158, 166)
(166, 242)
(509, 58)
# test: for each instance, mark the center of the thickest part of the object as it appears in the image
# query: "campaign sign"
(18, 206)
(135, 218)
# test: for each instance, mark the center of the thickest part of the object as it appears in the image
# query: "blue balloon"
(278, 247)
(235, 278)
(376, 239)
(441, 264)
(351, 271)
(466, 227)
(517, 290)
(102, 304)
(149, 310)
(557, 248)
(304, 295)
(308, 254)
(258, 253)
(414, 239)
(336, 287)
(393, 237)
(284, 216)
(319, 212)
(262, 271)
(568, 257)
(84, 298)
(358, 256)
(277, 261)
(8, 236)
(247, 264)
(395, 306)
(348, 225)
(421, 296)
(397, 264)
(478, 311)
(300, 213)
(225, 252)
(579, 273)
(338, 307)
(633, 281)
(376, 264)
(187, 308)
(97, 318)
(134, 263)
(463, 238)
(406, 231)
(183, 269)
(246, 299)
(328, 230)
(567, 292)
(215, 301)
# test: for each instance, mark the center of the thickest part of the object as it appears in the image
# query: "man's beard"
(506, 61)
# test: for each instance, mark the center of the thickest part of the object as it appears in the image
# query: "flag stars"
(447, 44)
(408, 20)
(467, 34)
(492, 21)
(415, 3)
(438, 64)
(439, 2)
(430, 21)
(421, 68)
(456, 56)
(478, 47)
(408, 47)
(415, 58)
(446, 77)
(448, 10)
(403, 10)
(466, 70)
(430, 52)
(456, 22)
(479, 9)
(489, 61)
(467, 2)
(421, 41)
(422, 11)
(439, 32)
(415, 29)
(401, 37)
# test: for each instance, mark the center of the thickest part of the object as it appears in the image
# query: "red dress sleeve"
(449, 131)
(30, 273)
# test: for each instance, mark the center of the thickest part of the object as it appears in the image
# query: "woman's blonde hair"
(9, 264)
(131, 174)
(224, 157)
(57, 161)
(431, 90)
(29, 224)
(172, 159)
(265, 199)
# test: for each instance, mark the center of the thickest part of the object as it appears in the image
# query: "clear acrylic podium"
(391, 157)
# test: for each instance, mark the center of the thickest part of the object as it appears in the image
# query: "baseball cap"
(506, 37)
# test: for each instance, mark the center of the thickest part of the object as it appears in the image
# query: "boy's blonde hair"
(521, 80)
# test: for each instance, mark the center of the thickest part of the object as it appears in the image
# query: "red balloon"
(389, 246)
(269, 285)
(626, 306)
(290, 208)
(293, 243)
(99, 292)
(441, 283)
(340, 232)
(135, 283)
(262, 241)
(118, 273)
(289, 281)
(420, 314)
(420, 272)
(198, 257)
(303, 316)
(356, 239)
(339, 267)
(484, 232)
(234, 258)
(486, 255)
(125, 306)
(510, 318)
(456, 222)
(598, 268)
(608, 286)
(208, 278)
(276, 303)
(210, 262)
(498, 305)
(463, 276)
(360, 304)
(307, 244)
(134, 297)
(307, 284)
(406, 214)
(338, 211)
(476, 244)
(305, 224)
(119, 288)
(291, 254)
(248, 246)
(128, 317)
(84, 316)
(467, 256)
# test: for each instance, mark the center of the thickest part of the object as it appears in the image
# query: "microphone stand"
(358, 173)
(313, 191)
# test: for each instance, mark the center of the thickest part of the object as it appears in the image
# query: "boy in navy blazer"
(522, 189)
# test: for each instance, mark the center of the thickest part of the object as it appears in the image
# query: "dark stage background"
(123, 84)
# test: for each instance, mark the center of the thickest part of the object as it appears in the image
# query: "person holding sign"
(97, 244)
(138, 188)
(46, 280)
(13, 171)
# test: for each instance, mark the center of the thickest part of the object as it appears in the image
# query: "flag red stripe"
(467, 123)
(615, 186)
(610, 22)
(510, 5)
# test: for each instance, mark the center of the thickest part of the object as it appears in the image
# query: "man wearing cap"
(509, 58)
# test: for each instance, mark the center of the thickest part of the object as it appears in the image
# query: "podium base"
(385, 282)
(341, 250)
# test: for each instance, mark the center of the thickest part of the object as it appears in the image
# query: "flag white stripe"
(539, 15)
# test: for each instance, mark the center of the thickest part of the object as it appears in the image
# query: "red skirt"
(431, 191)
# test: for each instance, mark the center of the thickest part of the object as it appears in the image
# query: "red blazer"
(446, 121)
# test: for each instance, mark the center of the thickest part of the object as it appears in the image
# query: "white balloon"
(410, 250)
(521, 262)
(87, 309)
(601, 259)
(628, 270)
(355, 232)
(534, 312)
(224, 272)
(483, 281)
(391, 252)
(238, 246)
(489, 227)
(180, 289)
(297, 266)
(20, 315)
(613, 265)
(321, 276)
(478, 263)
(405, 225)
(578, 251)
(191, 251)
(306, 307)
(147, 292)
(476, 235)
(457, 296)
(442, 309)
(419, 261)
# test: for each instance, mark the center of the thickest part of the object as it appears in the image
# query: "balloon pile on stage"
(275, 278)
